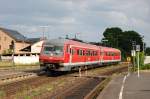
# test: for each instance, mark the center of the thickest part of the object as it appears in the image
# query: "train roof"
(59, 42)
(62, 41)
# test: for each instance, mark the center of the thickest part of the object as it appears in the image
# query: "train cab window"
(53, 50)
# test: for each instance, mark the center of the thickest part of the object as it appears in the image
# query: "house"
(7, 36)
(35, 46)
(22, 44)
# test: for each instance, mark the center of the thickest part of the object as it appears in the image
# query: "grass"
(6, 63)
(2, 94)
(30, 93)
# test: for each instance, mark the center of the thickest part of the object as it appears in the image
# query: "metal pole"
(80, 72)
(128, 68)
(138, 65)
(143, 53)
(134, 63)
(86, 70)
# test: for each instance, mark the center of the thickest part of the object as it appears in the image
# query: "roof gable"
(14, 34)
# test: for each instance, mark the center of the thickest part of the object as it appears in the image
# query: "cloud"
(86, 17)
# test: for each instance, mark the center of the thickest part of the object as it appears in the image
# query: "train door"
(73, 54)
(101, 55)
(67, 54)
(87, 58)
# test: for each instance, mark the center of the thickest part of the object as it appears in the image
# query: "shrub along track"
(46, 87)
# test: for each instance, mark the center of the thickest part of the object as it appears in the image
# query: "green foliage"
(147, 66)
(121, 40)
(2, 94)
(8, 51)
(147, 51)
(141, 59)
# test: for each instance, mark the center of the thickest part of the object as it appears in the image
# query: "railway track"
(55, 85)
(85, 89)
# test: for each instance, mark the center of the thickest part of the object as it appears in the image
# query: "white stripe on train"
(88, 63)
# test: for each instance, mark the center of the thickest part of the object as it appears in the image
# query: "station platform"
(128, 87)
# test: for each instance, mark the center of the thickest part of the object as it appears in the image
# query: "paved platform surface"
(128, 87)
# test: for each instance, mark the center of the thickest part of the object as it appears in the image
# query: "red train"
(65, 55)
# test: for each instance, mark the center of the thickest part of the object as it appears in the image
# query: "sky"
(87, 19)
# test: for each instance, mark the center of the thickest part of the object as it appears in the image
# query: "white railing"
(32, 59)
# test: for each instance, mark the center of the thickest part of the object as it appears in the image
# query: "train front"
(51, 55)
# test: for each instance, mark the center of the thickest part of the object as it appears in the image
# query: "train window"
(72, 52)
(89, 53)
(80, 52)
(86, 53)
(83, 53)
(93, 52)
(96, 53)
(67, 49)
(77, 51)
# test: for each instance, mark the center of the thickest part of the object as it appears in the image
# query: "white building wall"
(36, 47)
(26, 59)
(147, 60)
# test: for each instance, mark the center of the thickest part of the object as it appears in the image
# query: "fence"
(32, 59)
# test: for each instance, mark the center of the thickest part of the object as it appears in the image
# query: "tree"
(147, 51)
(122, 39)
(112, 35)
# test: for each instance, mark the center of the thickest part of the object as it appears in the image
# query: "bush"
(147, 66)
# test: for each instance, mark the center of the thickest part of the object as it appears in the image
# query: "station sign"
(137, 47)
(133, 53)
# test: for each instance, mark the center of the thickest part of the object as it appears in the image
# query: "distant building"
(35, 46)
(22, 44)
(7, 36)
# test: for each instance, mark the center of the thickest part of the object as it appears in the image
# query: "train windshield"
(53, 50)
